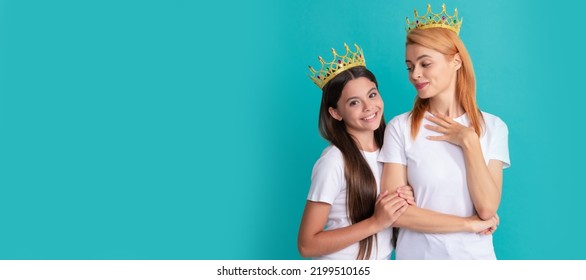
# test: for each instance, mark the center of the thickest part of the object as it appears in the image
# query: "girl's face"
(431, 72)
(360, 106)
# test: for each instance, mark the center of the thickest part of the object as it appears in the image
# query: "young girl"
(343, 218)
(450, 152)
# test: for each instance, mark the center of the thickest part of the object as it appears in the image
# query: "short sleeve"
(499, 146)
(327, 179)
(393, 149)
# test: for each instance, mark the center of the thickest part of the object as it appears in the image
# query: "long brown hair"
(448, 43)
(360, 181)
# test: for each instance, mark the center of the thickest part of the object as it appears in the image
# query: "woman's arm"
(313, 240)
(484, 182)
(422, 220)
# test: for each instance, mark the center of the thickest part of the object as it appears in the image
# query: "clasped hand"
(390, 206)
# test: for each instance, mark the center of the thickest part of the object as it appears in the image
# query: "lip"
(370, 117)
(421, 85)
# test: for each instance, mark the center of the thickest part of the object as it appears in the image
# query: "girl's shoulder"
(331, 153)
(330, 159)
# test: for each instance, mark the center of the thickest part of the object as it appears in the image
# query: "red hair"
(448, 43)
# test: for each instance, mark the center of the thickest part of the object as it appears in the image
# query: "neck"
(446, 104)
(365, 141)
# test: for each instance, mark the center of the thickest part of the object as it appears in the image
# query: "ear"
(457, 61)
(334, 113)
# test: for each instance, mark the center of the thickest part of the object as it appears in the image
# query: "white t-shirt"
(437, 172)
(328, 185)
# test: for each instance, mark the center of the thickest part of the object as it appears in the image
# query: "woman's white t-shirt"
(437, 173)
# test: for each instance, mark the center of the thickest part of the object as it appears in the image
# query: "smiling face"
(360, 106)
(431, 72)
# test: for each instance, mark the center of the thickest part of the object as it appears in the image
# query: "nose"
(415, 73)
(368, 105)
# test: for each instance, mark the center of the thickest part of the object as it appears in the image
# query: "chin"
(375, 127)
(423, 95)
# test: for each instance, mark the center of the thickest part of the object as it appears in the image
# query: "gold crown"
(430, 20)
(340, 63)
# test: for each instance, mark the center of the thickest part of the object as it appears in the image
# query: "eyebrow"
(353, 97)
(419, 58)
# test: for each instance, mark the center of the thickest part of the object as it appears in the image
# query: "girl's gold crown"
(430, 20)
(340, 63)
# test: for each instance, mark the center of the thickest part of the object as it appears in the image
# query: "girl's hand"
(388, 208)
(452, 131)
(406, 192)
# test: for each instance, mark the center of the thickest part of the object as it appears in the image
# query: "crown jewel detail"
(430, 20)
(340, 63)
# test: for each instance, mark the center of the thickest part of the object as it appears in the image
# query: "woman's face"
(431, 72)
(360, 106)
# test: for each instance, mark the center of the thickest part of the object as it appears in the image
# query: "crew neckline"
(456, 118)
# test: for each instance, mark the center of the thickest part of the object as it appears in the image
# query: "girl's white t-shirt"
(328, 185)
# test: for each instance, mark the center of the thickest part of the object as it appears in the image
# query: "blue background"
(183, 130)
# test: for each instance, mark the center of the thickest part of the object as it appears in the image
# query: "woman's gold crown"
(430, 20)
(340, 63)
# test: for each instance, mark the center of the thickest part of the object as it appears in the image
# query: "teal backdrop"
(188, 129)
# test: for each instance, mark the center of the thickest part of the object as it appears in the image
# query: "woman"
(450, 152)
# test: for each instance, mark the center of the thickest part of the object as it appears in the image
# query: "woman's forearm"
(484, 182)
(419, 219)
(423, 220)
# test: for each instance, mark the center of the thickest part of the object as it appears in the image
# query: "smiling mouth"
(421, 85)
(370, 117)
